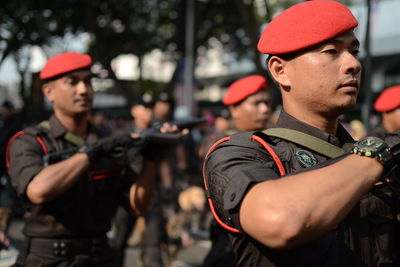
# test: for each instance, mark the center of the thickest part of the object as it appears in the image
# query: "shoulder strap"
(306, 140)
(274, 156)
(44, 125)
(70, 137)
(74, 139)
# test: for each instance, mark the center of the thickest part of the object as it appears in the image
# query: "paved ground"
(186, 258)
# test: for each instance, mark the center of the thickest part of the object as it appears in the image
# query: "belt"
(69, 246)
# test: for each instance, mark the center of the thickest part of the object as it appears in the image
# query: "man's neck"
(319, 121)
(77, 125)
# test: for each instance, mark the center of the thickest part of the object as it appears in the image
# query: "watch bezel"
(369, 146)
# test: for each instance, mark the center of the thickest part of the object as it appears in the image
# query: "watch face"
(370, 145)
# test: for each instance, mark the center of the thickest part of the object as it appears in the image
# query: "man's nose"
(82, 87)
(351, 64)
(264, 107)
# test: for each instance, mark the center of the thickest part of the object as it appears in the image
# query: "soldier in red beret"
(332, 206)
(71, 177)
(388, 104)
(248, 101)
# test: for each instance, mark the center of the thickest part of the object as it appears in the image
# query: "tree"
(134, 26)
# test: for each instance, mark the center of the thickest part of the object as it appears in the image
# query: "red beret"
(388, 100)
(243, 88)
(63, 63)
(304, 25)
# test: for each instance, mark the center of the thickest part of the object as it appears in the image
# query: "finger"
(167, 128)
(185, 131)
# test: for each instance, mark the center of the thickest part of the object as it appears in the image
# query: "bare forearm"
(303, 206)
(142, 191)
(57, 178)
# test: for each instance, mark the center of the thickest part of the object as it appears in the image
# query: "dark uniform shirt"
(86, 209)
(239, 163)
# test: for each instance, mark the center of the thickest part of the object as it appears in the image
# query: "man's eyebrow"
(355, 42)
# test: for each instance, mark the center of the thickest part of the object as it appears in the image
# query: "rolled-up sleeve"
(231, 169)
(25, 161)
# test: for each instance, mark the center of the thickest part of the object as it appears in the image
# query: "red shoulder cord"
(274, 156)
(38, 138)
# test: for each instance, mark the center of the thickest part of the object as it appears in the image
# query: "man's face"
(252, 113)
(143, 115)
(325, 78)
(392, 120)
(162, 110)
(71, 94)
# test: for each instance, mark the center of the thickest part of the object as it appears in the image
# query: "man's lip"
(82, 101)
(352, 83)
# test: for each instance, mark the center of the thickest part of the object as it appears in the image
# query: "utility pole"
(189, 57)
(366, 105)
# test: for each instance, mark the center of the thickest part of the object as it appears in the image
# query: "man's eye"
(355, 52)
(330, 51)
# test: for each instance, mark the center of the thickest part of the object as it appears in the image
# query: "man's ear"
(233, 111)
(47, 89)
(277, 68)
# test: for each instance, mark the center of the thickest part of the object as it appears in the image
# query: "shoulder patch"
(306, 158)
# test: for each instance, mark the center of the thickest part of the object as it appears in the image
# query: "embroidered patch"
(305, 158)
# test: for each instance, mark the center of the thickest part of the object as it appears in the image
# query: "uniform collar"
(287, 121)
(56, 129)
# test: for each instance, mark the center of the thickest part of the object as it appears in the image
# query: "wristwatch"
(373, 147)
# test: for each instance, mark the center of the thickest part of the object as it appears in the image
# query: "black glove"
(110, 146)
(393, 142)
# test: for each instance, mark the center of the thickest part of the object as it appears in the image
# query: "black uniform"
(70, 229)
(368, 236)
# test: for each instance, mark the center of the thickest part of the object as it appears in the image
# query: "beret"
(304, 25)
(388, 100)
(64, 63)
(243, 88)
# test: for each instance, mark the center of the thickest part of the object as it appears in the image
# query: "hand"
(108, 146)
(158, 145)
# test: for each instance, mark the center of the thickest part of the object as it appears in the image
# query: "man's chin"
(81, 113)
(345, 108)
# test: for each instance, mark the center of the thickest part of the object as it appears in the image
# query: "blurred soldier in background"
(124, 221)
(155, 234)
(249, 106)
(162, 108)
(70, 177)
(388, 104)
(249, 103)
